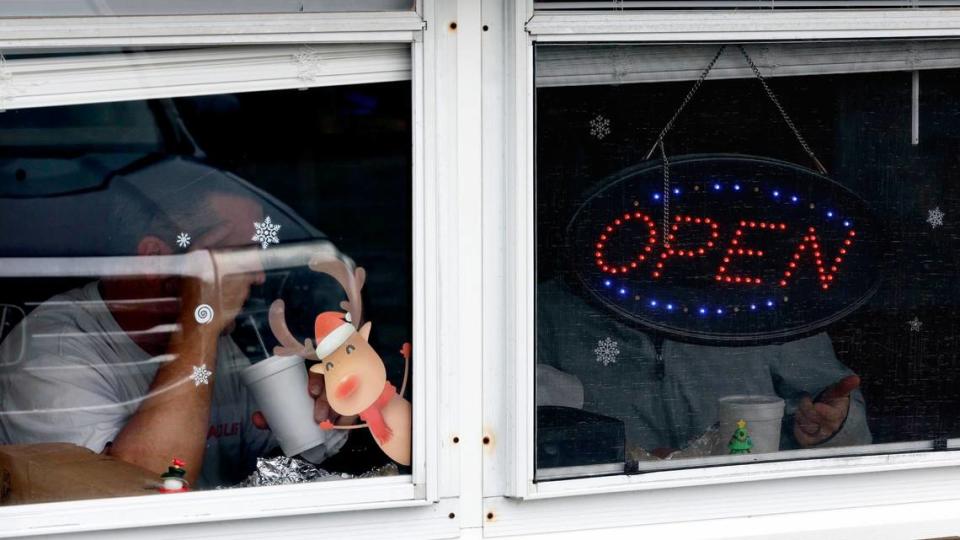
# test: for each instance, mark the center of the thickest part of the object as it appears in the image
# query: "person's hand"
(226, 290)
(321, 407)
(817, 421)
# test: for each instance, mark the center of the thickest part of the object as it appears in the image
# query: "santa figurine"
(174, 481)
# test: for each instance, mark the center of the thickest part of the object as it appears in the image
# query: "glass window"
(751, 268)
(213, 290)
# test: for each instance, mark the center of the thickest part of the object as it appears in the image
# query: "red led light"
(623, 268)
(818, 258)
(744, 252)
(695, 251)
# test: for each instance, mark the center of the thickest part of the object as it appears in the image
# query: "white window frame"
(516, 504)
(425, 501)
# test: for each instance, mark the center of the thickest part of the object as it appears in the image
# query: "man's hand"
(817, 421)
(321, 407)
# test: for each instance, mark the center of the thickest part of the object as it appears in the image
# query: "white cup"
(279, 385)
(762, 414)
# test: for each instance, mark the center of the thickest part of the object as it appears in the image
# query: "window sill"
(208, 506)
(751, 472)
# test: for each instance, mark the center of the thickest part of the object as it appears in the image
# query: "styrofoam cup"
(762, 414)
(279, 385)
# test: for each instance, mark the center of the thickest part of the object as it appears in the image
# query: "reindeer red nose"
(347, 386)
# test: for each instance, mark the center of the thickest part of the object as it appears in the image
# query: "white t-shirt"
(69, 373)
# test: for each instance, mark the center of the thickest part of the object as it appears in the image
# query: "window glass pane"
(723, 275)
(78, 8)
(169, 271)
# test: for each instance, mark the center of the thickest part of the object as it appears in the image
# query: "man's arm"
(173, 419)
(824, 406)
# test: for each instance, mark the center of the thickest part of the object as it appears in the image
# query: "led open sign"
(752, 249)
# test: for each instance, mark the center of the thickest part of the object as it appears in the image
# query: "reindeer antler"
(289, 346)
(352, 283)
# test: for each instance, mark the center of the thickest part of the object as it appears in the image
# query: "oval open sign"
(755, 249)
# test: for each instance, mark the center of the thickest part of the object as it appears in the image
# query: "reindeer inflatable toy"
(354, 375)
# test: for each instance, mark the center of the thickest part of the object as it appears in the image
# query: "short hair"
(166, 198)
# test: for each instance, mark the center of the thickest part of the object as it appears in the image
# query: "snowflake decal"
(201, 375)
(935, 217)
(266, 232)
(183, 240)
(600, 127)
(915, 324)
(607, 351)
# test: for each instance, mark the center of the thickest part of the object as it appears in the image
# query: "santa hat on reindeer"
(332, 330)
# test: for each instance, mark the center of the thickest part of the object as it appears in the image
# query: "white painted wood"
(615, 64)
(89, 78)
(679, 26)
(733, 474)
(75, 8)
(206, 506)
(445, 110)
(781, 500)
(426, 266)
(497, 237)
(415, 523)
(160, 30)
(469, 249)
(937, 519)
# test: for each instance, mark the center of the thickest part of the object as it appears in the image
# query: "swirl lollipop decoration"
(203, 314)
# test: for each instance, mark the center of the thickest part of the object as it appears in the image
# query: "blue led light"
(669, 307)
(703, 311)
(794, 198)
(769, 303)
(656, 196)
(676, 191)
(653, 303)
(829, 213)
(776, 193)
(623, 291)
(736, 187)
(716, 187)
(846, 223)
(607, 283)
(753, 307)
(719, 311)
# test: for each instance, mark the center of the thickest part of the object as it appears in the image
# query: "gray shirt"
(670, 400)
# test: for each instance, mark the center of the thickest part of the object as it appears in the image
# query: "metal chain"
(666, 194)
(686, 101)
(783, 112)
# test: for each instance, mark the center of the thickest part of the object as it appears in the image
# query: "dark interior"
(860, 128)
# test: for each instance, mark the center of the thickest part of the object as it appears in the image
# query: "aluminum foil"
(280, 471)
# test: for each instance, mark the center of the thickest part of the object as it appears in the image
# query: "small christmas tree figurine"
(740, 442)
(174, 480)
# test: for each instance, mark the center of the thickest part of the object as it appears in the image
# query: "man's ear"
(153, 245)
(365, 331)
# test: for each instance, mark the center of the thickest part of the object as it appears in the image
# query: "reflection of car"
(62, 174)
